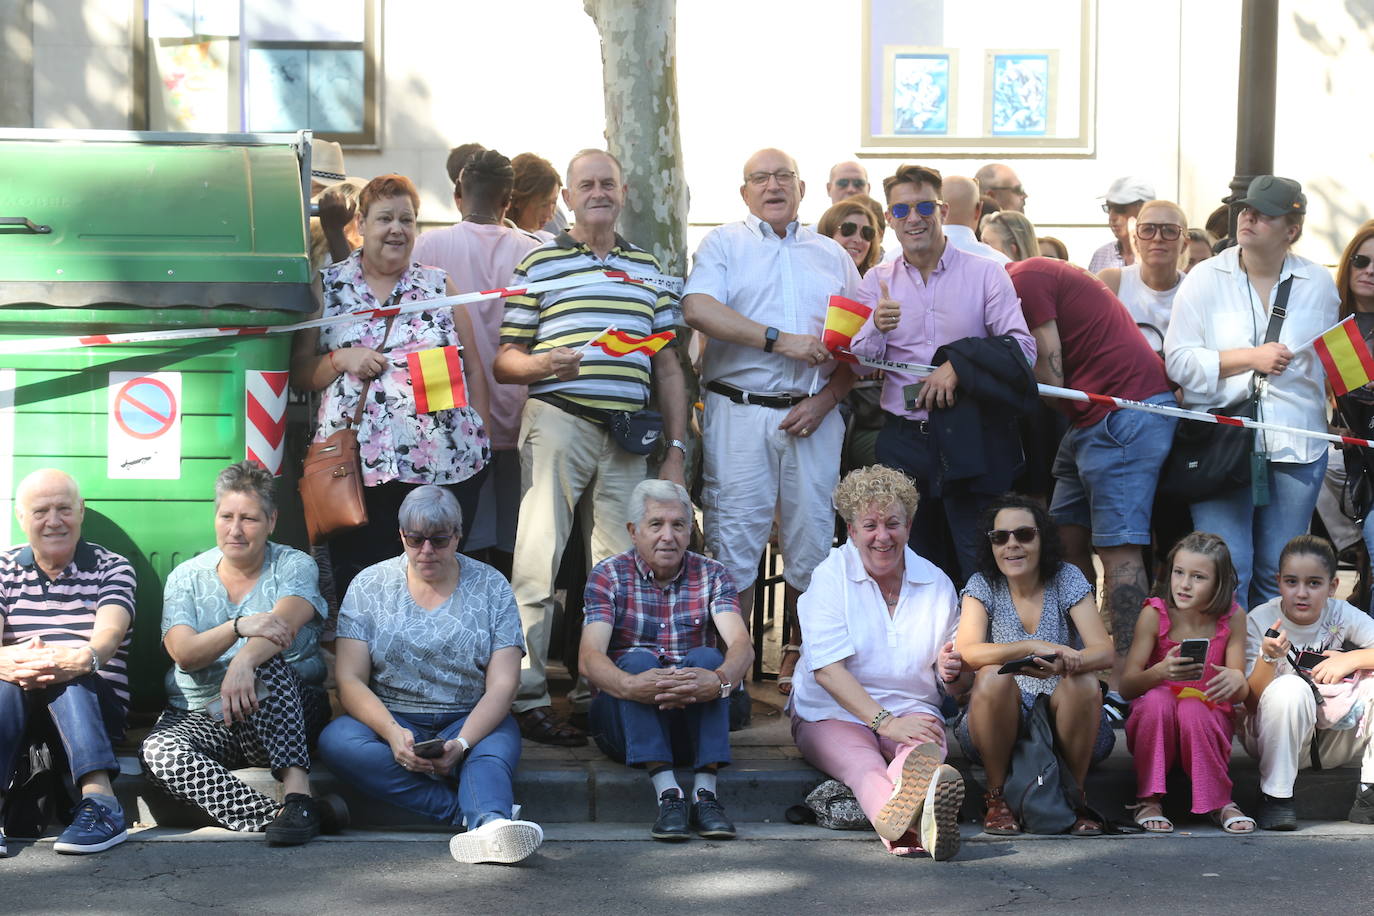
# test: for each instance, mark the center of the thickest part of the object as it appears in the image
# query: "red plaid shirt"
(667, 620)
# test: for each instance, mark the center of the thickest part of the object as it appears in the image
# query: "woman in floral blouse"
(401, 448)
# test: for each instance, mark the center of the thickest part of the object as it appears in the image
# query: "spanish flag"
(618, 343)
(436, 376)
(843, 319)
(1346, 357)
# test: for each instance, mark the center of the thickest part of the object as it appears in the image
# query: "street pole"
(1259, 37)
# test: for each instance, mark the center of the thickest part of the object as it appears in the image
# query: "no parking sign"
(145, 426)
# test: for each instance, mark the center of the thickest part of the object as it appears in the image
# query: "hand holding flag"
(843, 319)
(1346, 357)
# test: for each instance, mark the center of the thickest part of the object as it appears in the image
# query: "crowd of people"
(964, 588)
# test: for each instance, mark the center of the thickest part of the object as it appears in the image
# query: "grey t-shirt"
(430, 661)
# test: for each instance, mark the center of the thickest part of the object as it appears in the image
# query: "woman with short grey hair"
(428, 660)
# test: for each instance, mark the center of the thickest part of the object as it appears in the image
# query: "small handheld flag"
(436, 376)
(843, 319)
(1346, 357)
(618, 343)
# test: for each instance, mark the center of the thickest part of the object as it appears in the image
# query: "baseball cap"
(1274, 196)
(1129, 190)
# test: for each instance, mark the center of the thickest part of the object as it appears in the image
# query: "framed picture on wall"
(1020, 95)
(917, 91)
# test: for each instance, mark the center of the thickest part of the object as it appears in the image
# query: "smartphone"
(1195, 650)
(912, 393)
(1017, 665)
(429, 750)
(215, 708)
(1309, 660)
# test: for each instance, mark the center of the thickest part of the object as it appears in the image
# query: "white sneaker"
(502, 840)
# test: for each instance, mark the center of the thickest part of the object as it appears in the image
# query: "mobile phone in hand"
(429, 750)
(1017, 665)
(1309, 660)
(1194, 650)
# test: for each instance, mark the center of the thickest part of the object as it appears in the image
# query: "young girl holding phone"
(1283, 716)
(1183, 708)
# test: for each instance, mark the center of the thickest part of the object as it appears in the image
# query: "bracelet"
(95, 659)
(333, 365)
(236, 627)
(464, 742)
(882, 716)
(678, 444)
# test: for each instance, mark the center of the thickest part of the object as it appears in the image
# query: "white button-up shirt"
(962, 237)
(784, 283)
(1217, 309)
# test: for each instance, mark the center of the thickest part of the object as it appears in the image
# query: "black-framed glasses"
(1013, 188)
(923, 207)
(1169, 232)
(848, 228)
(857, 184)
(1360, 261)
(417, 541)
(759, 179)
(1024, 535)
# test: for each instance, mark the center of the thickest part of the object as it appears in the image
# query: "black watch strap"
(770, 337)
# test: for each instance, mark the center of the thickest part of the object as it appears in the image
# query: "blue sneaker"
(94, 828)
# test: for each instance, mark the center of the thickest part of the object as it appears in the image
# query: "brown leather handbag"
(331, 484)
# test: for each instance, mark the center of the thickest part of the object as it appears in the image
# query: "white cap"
(1129, 190)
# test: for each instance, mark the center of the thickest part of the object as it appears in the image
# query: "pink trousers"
(1163, 730)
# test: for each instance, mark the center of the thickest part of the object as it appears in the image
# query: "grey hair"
(251, 478)
(663, 491)
(429, 509)
(593, 151)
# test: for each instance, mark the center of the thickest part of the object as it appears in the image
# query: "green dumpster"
(117, 232)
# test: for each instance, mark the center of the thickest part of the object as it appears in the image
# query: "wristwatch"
(770, 337)
(724, 685)
(679, 444)
(1272, 661)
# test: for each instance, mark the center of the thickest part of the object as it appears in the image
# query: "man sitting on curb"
(649, 650)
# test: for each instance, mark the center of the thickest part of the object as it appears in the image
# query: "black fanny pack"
(637, 433)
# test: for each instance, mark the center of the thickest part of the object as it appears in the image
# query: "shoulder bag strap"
(362, 398)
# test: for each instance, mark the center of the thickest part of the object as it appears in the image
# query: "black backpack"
(38, 795)
(1040, 790)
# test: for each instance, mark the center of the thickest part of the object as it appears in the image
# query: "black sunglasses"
(923, 207)
(866, 231)
(1360, 261)
(857, 184)
(1167, 231)
(417, 541)
(1024, 535)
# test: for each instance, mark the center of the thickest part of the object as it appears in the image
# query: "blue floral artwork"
(1020, 94)
(920, 94)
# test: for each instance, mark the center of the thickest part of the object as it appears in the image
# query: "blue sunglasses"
(923, 207)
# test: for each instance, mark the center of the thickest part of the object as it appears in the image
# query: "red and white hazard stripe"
(264, 439)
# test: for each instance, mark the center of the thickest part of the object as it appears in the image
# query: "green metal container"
(108, 232)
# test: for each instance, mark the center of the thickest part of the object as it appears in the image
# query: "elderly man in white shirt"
(759, 288)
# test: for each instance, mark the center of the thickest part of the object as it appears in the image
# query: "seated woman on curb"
(241, 622)
(879, 621)
(428, 659)
(1025, 601)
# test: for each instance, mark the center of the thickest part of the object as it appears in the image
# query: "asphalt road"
(777, 870)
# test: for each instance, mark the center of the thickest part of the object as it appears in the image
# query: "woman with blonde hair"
(1010, 233)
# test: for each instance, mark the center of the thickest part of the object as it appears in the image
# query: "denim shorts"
(1105, 474)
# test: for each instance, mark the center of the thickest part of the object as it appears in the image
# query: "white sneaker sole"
(504, 844)
(901, 811)
(940, 813)
(73, 849)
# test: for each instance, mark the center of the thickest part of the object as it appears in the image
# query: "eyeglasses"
(417, 541)
(857, 184)
(923, 207)
(866, 231)
(1013, 188)
(1024, 535)
(759, 179)
(1360, 261)
(1169, 232)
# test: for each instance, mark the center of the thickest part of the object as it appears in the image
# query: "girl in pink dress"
(1182, 710)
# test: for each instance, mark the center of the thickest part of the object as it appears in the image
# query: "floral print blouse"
(396, 443)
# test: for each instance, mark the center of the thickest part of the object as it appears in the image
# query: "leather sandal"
(540, 724)
(999, 820)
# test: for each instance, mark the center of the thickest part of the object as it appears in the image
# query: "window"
(263, 66)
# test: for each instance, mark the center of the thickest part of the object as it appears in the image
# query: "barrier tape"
(44, 344)
(1105, 400)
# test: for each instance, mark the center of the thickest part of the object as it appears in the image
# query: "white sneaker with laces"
(502, 841)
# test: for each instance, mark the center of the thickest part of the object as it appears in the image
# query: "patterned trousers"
(189, 754)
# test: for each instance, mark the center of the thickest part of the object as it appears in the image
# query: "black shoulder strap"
(1279, 311)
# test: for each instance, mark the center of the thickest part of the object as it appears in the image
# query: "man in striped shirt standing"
(567, 453)
(67, 606)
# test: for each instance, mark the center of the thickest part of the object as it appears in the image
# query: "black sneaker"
(708, 817)
(1277, 813)
(672, 818)
(298, 821)
(1362, 812)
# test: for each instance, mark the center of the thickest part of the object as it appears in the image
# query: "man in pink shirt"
(933, 295)
(481, 253)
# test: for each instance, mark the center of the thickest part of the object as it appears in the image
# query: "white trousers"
(1280, 734)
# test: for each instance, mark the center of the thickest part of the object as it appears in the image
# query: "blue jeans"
(86, 713)
(1257, 534)
(480, 792)
(639, 733)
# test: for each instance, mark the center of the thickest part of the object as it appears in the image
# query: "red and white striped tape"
(264, 426)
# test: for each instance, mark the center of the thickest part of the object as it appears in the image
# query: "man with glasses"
(759, 288)
(1000, 183)
(1121, 203)
(931, 296)
(846, 180)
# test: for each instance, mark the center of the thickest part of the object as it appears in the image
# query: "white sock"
(705, 779)
(664, 780)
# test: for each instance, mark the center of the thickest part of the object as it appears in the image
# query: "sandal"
(540, 724)
(1237, 822)
(1085, 824)
(999, 820)
(785, 680)
(1149, 811)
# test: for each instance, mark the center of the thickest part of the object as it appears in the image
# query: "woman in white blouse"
(879, 624)
(1215, 351)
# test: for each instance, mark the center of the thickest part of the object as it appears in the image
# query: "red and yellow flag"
(843, 319)
(618, 343)
(436, 376)
(1346, 357)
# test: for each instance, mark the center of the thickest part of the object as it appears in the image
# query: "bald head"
(49, 508)
(772, 188)
(964, 199)
(1000, 183)
(846, 179)
(45, 480)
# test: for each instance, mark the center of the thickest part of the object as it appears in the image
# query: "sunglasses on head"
(1167, 231)
(1360, 261)
(857, 184)
(923, 207)
(1024, 535)
(417, 541)
(849, 228)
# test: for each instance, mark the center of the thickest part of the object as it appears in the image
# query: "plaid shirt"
(668, 620)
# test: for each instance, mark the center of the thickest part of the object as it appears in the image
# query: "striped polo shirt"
(62, 611)
(572, 317)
